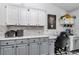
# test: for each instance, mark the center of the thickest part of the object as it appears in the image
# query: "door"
(42, 17)
(51, 47)
(44, 48)
(22, 49)
(34, 49)
(12, 15)
(33, 17)
(23, 20)
(7, 50)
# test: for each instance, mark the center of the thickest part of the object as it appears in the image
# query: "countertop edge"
(27, 37)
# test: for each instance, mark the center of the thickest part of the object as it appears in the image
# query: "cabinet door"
(76, 44)
(33, 17)
(23, 20)
(44, 48)
(8, 50)
(34, 49)
(22, 49)
(42, 18)
(51, 48)
(2, 14)
(12, 15)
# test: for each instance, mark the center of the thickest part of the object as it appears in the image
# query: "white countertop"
(52, 37)
(24, 37)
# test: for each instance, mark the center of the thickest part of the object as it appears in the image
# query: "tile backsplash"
(3, 29)
(28, 30)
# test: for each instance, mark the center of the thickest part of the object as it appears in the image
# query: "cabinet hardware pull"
(38, 43)
(21, 41)
(33, 40)
(7, 43)
(28, 44)
(5, 7)
(12, 46)
(49, 44)
(28, 10)
(16, 46)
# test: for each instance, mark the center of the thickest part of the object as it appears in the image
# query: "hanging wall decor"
(67, 19)
(51, 21)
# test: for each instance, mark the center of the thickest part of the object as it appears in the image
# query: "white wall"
(50, 9)
(76, 26)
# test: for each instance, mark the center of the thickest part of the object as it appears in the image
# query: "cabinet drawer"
(43, 39)
(34, 40)
(51, 41)
(21, 41)
(7, 42)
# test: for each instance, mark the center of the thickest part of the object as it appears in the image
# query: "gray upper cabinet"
(23, 16)
(12, 15)
(33, 17)
(17, 15)
(7, 50)
(2, 14)
(22, 49)
(42, 18)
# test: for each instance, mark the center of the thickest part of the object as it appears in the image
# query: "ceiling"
(68, 6)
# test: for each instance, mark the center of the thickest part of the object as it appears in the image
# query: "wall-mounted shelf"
(67, 25)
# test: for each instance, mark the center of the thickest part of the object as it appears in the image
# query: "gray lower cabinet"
(36, 46)
(51, 47)
(34, 49)
(44, 48)
(7, 50)
(22, 49)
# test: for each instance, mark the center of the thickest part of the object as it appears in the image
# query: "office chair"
(62, 44)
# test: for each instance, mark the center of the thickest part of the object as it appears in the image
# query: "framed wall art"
(51, 21)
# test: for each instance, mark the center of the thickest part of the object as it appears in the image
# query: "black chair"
(61, 44)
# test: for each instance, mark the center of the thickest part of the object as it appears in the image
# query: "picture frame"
(51, 21)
